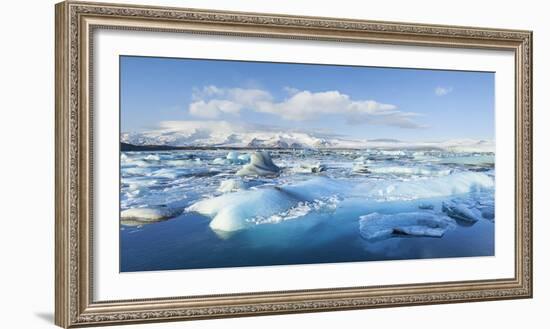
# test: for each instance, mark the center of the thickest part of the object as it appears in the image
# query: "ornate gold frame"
(76, 22)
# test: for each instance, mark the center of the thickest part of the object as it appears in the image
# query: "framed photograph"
(217, 164)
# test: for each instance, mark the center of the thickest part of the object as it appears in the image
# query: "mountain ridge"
(286, 140)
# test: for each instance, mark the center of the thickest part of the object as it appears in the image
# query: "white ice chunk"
(221, 161)
(152, 157)
(149, 214)
(376, 226)
(166, 173)
(260, 165)
(393, 152)
(244, 158)
(403, 170)
(360, 168)
(460, 211)
(242, 209)
(232, 185)
(455, 183)
(308, 168)
(234, 157)
(236, 211)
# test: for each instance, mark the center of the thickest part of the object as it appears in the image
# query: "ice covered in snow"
(308, 168)
(238, 210)
(145, 215)
(232, 185)
(242, 209)
(152, 157)
(235, 211)
(410, 170)
(260, 192)
(376, 226)
(423, 188)
(260, 165)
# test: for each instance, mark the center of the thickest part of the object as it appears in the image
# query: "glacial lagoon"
(212, 208)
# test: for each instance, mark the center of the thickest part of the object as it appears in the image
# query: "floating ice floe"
(136, 171)
(461, 211)
(360, 168)
(182, 162)
(242, 209)
(139, 216)
(232, 158)
(173, 173)
(487, 207)
(260, 165)
(403, 170)
(479, 159)
(152, 157)
(426, 206)
(425, 188)
(375, 226)
(232, 185)
(237, 158)
(308, 168)
(221, 161)
(362, 159)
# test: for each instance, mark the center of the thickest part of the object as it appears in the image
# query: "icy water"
(189, 209)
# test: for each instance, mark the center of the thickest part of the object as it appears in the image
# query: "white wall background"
(27, 162)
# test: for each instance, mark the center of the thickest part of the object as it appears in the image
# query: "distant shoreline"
(126, 147)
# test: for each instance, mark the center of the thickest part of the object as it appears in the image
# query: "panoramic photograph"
(240, 163)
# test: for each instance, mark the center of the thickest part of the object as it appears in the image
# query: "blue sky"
(359, 102)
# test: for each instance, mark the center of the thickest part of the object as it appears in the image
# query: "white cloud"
(442, 91)
(212, 109)
(211, 102)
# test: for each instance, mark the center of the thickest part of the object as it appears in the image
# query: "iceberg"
(232, 185)
(138, 216)
(244, 158)
(308, 168)
(243, 209)
(236, 211)
(152, 157)
(421, 171)
(425, 188)
(232, 158)
(461, 211)
(376, 226)
(221, 161)
(360, 168)
(260, 165)
(392, 152)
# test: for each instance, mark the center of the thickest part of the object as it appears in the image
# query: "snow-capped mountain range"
(223, 134)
